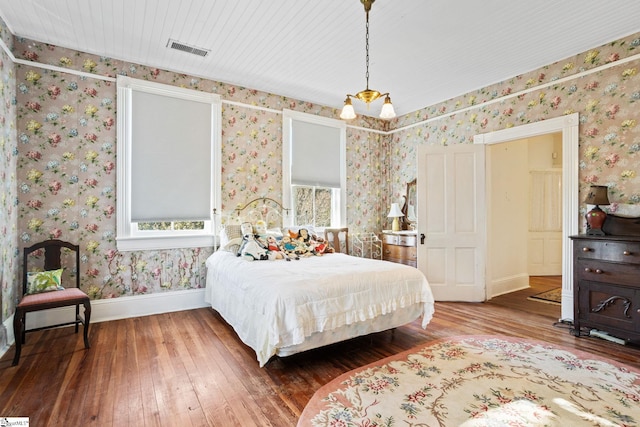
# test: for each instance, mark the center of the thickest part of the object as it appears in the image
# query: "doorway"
(568, 127)
(524, 205)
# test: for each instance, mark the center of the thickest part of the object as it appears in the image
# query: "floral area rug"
(481, 381)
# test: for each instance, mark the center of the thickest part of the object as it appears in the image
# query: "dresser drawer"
(407, 240)
(626, 252)
(390, 239)
(397, 239)
(607, 272)
(394, 252)
(400, 248)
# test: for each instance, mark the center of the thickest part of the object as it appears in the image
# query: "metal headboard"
(266, 210)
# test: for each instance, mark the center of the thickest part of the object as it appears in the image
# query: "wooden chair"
(338, 238)
(71, 295)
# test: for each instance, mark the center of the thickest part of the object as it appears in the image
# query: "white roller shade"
(315, 154)
(171, 160)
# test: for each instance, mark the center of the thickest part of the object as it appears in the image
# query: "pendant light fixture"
(368, 95)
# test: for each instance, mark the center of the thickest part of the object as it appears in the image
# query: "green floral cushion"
(44, 281)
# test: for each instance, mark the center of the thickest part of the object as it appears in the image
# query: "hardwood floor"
(190, 369)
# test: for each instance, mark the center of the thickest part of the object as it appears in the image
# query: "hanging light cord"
(367, 48)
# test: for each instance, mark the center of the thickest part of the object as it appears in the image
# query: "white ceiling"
(421, 51)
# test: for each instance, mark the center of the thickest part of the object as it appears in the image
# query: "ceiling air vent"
(173, 44)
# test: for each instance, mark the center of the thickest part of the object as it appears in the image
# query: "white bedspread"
(276, 304)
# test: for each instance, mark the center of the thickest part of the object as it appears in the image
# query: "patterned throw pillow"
(233, 231)
(230, 238)
(233, 245)
(44, 281)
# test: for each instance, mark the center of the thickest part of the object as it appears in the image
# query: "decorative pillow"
(230, 232)
(44, 281)
(233, 245)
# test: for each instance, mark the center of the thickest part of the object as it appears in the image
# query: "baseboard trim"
(146, 305)
(116, 308)
(510, 284)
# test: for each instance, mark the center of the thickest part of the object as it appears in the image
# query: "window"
(313, 205)
(168, 165)
(314, 169)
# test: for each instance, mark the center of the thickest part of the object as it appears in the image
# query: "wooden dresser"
(606, 285)
(400, 247)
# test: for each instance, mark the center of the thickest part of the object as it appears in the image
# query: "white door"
(451, 220)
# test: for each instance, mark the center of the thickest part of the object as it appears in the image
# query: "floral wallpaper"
(8, 195)
(608, 101)
(63, 167)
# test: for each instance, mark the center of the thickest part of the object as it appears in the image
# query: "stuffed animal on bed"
(302, 248)
(321, 248)
(252, 249)
(303, 234)
(260, 229)
(273, 246)
(288, 246)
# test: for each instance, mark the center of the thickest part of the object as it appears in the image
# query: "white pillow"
(274, 232)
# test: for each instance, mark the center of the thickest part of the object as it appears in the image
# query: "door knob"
(422, 237)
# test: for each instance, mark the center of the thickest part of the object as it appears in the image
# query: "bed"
(281, 308)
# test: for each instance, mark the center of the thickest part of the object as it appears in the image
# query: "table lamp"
(395, 213)
(595, 217)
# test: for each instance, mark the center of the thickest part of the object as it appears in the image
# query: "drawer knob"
(586, 250)
(627, 253)
(597, 270)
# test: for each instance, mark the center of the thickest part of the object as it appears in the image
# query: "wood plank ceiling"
(422, 52)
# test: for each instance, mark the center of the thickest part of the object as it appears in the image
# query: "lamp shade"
(597, 195)
(348, 113)
(395, 211)
(387, 109)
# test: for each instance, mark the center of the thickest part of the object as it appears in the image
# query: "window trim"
(128, 237)
(288, 116)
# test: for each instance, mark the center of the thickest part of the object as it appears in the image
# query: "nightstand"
(400, 247)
